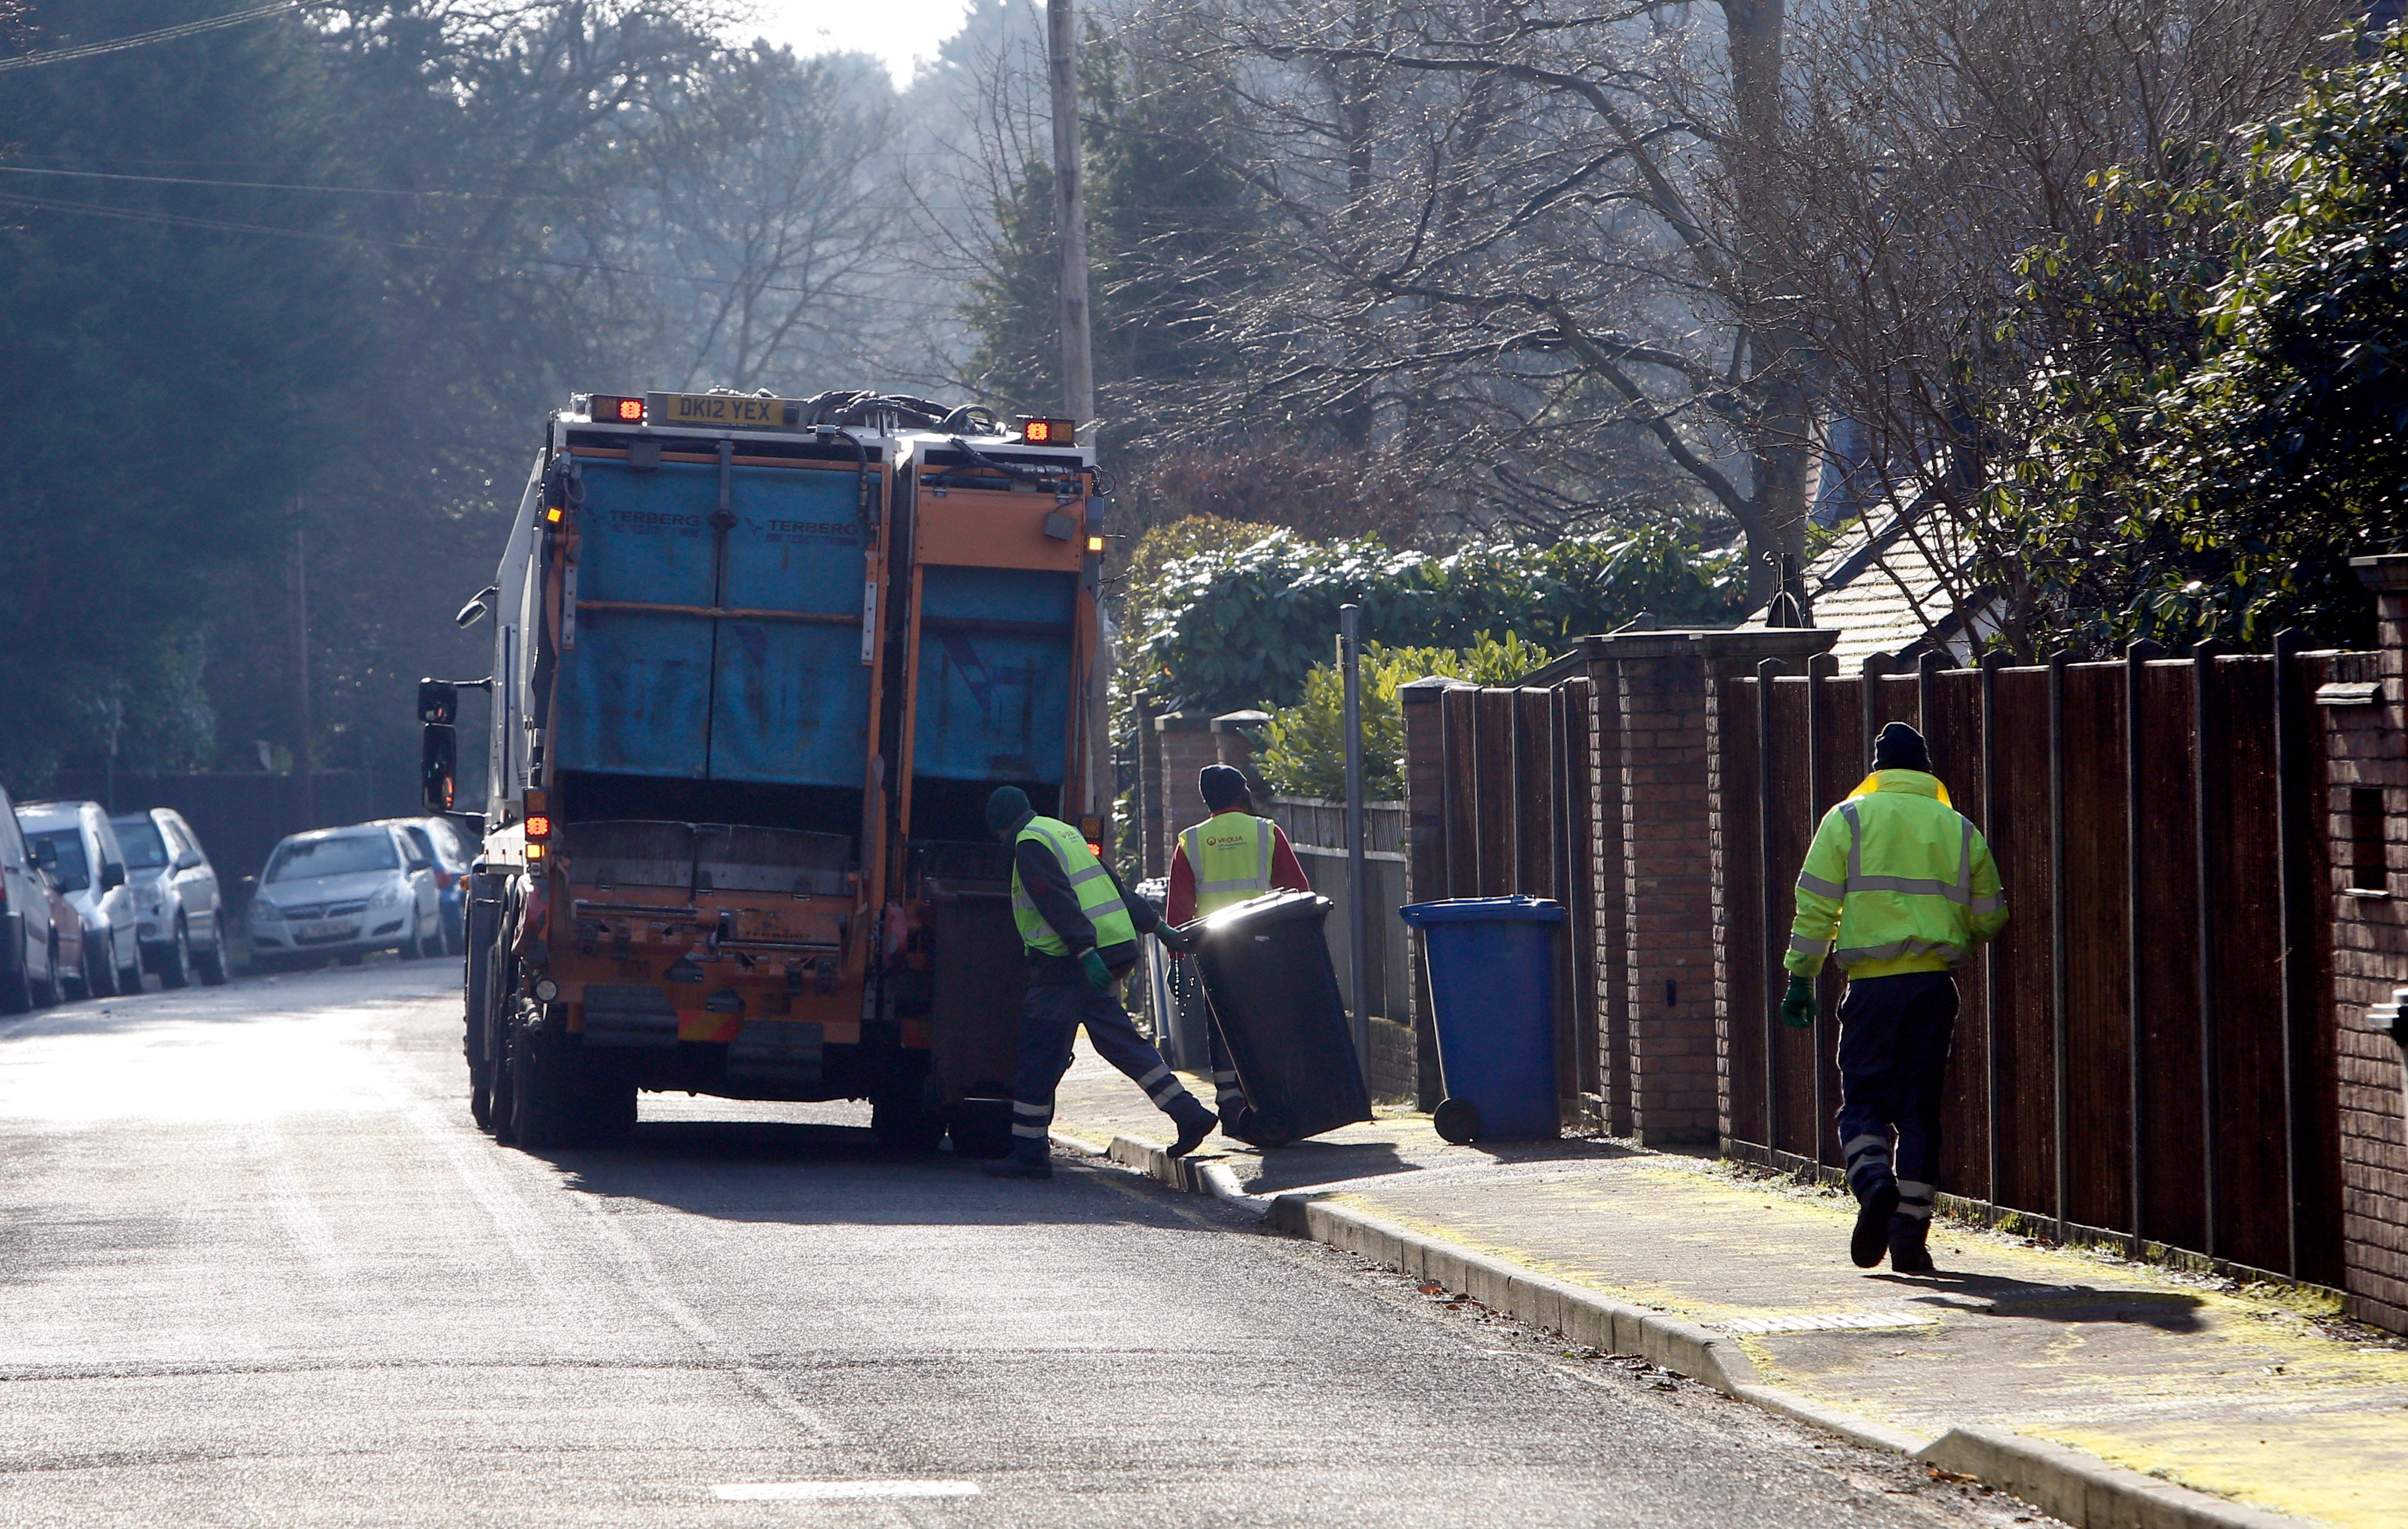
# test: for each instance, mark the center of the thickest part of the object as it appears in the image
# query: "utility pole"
(1071, 209)
(1359, 908)
(301, 757)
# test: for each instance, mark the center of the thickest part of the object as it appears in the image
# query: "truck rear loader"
(757, 664)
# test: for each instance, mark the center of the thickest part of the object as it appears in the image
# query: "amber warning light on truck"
(617, 410)
(1049, 433)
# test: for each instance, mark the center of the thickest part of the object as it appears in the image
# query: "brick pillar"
(1152, 850)
(1185, 745)
(1233, 744)
(2363, 702)
(1661, 807)
(1424, 855)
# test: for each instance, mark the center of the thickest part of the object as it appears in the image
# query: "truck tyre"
(562, 1097)
(210, 959)
(176, 964)
(99, 969)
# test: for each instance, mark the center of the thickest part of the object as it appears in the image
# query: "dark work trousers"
(1049, 1018)
(1894, 1034)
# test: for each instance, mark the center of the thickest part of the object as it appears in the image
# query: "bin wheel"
(1457, 1121)
(1257, 1129)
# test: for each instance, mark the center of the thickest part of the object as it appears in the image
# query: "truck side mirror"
(439, 701)
(476, 607)
(112, 875)
(439, 764)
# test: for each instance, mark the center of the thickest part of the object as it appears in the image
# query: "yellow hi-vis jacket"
(1230, 854)
(1089, 882)
(1901, 881)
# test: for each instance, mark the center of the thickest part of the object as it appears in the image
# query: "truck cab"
(757, 664)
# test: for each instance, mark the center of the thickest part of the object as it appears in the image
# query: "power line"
(143, 39)
(274, 185)
(219, 226)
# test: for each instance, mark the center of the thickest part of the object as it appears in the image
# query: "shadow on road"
(1997, 1295)
(808, 1173)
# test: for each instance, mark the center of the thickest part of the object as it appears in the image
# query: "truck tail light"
(1042, 431)
(608, 409)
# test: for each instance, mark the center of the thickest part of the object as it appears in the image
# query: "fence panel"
(2166, 964)
(2094, 933)
(2023, 1076)
(1745, 750)
(1951, 709)
(1789, 822)
(2253, 1216)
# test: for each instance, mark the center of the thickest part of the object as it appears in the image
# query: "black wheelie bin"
(1274, 995)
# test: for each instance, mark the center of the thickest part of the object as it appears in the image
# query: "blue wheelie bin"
(1492, 978)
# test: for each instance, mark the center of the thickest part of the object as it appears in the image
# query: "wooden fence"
(1317, 830)
(2142, 1053)
(1521, 817)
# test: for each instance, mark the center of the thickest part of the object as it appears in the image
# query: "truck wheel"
(175, 965)
(562, 1097)
(610, 1106)
(99, 970)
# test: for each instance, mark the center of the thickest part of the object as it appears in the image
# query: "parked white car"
(343, 892)
(176, 901)
(74, 843)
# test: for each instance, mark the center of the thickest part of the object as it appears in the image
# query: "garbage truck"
(757, 664)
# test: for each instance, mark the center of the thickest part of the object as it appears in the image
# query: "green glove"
(1099, 976)
(1798, 1008)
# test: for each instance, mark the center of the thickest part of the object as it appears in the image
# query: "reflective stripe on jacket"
(1900, 879)
(1230, 854)
(1089, 881)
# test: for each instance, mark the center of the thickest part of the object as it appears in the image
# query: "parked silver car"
(76, 844)
(31, 950)
(175, 903)
(342, 893)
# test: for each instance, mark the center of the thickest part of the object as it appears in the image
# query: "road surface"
(259, 1268)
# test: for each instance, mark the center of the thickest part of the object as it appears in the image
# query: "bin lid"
(1267, 908)
(1484, 910)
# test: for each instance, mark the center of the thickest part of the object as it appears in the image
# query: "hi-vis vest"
(1089, 881)
(1230, 854)
(1899, 880)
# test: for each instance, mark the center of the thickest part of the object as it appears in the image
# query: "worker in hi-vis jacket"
(1898, 887)
(1230, 856)
(1080, 928)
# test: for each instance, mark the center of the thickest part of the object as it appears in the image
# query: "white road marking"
(838, 1491)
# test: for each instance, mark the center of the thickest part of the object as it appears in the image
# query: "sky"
(894, 31)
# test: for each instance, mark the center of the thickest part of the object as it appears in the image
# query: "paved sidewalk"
(2259, 1394)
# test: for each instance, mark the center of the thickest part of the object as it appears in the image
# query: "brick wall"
(2368, 752)
(1394, 1064)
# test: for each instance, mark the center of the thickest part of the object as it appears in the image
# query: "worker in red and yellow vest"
(1230, 856)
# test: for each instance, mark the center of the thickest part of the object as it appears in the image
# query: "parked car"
(30, 946)
(343, 892)
(74, 843)
(178, 921)
(441, 841)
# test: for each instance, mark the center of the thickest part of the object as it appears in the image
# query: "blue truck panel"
(791, 704)
(718, 697)
(635, 695)
(647, 534)
(994, 703)
(796, 544)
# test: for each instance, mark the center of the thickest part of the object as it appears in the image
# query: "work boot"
(1873, 1212)
(1017, 1166)
(1910, 1250)
(1195, 1123)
